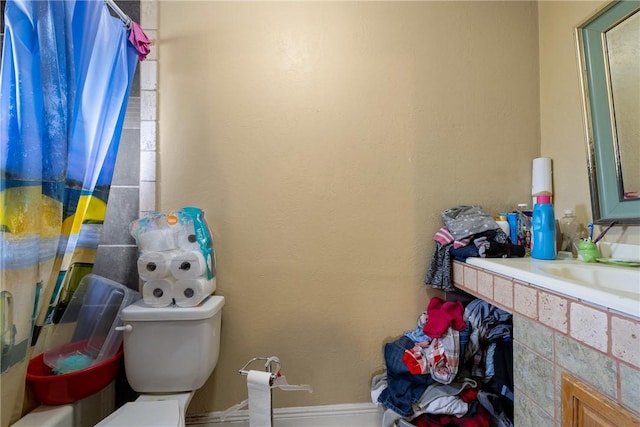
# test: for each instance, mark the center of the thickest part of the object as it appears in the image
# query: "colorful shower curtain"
(66, 73)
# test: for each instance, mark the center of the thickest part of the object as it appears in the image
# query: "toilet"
(169, 353)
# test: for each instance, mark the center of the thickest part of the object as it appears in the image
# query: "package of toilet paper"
(191, 292)
(194, 230)
(176, 246)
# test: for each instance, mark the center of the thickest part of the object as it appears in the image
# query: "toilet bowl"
(169, 353)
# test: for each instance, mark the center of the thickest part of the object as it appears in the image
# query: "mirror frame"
(602, 150)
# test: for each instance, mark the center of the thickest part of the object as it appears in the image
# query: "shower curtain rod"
(123, 16)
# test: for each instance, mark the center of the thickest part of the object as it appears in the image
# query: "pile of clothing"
(454, 368)
(468, 232)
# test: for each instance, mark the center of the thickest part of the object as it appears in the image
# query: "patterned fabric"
(461, 224)
(488, 323)
(439, 272)
(465, 221)
(443, 356)
(443, 236)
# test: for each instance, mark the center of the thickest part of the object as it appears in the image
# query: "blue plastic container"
(512, 219)
(543, 228)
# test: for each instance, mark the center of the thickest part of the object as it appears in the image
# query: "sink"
(623, 280)
(607, 286)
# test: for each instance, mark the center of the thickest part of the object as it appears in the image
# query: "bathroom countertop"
(612, 287)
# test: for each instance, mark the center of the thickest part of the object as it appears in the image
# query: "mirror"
(609, 60)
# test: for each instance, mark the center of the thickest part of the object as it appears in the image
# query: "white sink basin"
(622, 280)
(611, 287)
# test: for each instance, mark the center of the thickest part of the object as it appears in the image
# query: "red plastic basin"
(73, 386)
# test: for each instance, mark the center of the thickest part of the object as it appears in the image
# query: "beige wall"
(322, 139)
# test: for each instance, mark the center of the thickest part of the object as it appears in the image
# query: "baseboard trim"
(352, 414)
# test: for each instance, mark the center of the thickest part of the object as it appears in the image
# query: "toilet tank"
(171, 349)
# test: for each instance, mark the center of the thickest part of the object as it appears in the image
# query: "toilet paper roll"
(158, 292)
(188, 265)
(158, 240)
(259, 391)
(541, 177)
(186, 238)
(191, 292)
(155, 265)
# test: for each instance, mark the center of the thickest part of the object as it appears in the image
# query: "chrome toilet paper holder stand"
(269, 361)
(272, 365)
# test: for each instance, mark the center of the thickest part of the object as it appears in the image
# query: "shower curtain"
(66, 73)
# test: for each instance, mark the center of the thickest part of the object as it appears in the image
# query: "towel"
(139, 40)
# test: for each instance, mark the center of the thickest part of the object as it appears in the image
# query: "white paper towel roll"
(155, 265)
(188, 265)
(158, 292)
(541, 183)
(158, 240)
(259, 388)
(191, 292)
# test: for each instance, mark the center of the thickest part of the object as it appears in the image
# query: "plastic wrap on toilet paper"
(186, 237)
(158, 292)
(175, 246)
(188, 265)
(191, 292)
(155, 265)
(193, 218)
(185, 229)
(158, 240)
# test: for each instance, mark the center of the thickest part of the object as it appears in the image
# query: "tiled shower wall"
(133, 187)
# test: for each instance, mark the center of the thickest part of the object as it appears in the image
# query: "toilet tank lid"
(141, 312)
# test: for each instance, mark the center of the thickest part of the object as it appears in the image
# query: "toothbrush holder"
(588, 251)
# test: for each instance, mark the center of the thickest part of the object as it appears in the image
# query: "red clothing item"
(441, 315)
(468, 395)
(480, 418)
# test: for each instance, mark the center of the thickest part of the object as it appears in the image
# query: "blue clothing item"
(418, 335)
(464, 252)
(403, 387)
(463, 337)
(500, 332)
(490, 244)
(491, 350)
